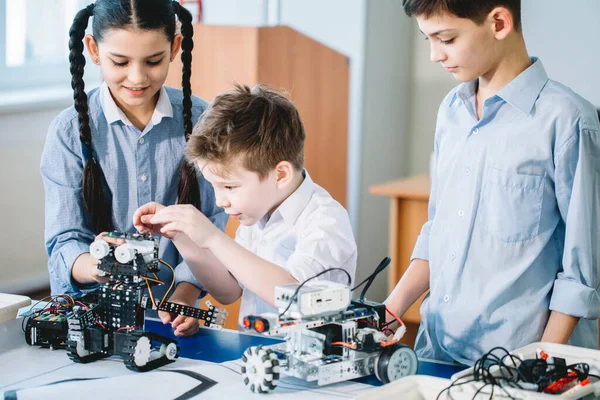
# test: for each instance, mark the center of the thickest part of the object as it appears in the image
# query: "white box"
(422, 387)
(313, 298)
(10, 304)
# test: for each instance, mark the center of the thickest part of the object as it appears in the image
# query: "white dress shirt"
(308, 233)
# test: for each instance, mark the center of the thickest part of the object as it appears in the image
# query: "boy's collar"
(292, 207)
(113, 113)
(521, 92)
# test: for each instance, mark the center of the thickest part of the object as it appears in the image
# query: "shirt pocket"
(511, 205)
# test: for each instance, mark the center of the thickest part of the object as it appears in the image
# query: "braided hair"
(127, 14)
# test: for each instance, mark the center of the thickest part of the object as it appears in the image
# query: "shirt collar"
(113, 113)
(292, 207)
(464, 91)
(521, 92)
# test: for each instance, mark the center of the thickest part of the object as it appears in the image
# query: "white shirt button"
(475, 131)
(467, 171)
(453, 255)
(141, 140)
(143, 178)
(461, 213)
(446, 298)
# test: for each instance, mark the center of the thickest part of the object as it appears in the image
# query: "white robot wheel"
(169, 351)
(395, 362)
(99, 249)
(260, 369)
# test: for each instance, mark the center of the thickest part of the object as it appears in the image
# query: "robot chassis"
(329, 339)
(112, 326)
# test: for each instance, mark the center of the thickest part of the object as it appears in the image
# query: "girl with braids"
(121, 145)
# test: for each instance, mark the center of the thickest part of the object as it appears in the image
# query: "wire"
(152, 280)
(166, 296)
(395, 316)
(344, 344)
(516, 374)
(382, 265)
(309, 279)
(151, 294)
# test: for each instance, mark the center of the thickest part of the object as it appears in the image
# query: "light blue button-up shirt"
(513, 219)
(139, 167)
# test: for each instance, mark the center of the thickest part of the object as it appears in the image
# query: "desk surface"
(416, 187)
(22, 366)
(226, 345)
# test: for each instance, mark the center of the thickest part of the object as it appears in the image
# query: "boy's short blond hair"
(259, 124)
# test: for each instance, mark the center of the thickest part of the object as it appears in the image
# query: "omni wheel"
(260, 369)
(395, 362)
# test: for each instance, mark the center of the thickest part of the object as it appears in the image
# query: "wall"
(22, 255)
(565, 36)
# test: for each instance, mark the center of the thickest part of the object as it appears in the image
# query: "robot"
(112, 324)
(329, 338)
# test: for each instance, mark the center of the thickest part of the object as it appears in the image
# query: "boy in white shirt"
(249, 144)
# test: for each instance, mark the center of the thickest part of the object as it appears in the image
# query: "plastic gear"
(260, 369)
(141, 352)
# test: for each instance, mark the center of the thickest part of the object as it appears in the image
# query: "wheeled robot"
(328, 338)
(112, 323)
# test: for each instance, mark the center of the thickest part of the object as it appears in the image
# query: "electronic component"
(112, 323)
(328, 339)
(313, 298)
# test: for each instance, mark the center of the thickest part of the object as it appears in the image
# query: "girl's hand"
(94, 273)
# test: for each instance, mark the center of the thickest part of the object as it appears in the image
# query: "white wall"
(566, 37)
(235, 12)
(23, 261)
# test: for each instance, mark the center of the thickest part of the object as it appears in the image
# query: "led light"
(259, 326)
(246, 323)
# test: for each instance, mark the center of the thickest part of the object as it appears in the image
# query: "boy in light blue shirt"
(510, 252)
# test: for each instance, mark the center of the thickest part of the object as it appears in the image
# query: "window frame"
(30, 76)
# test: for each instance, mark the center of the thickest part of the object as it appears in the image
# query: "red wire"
(395, 316)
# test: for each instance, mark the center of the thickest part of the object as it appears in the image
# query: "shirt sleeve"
(217, 216)
(68, 233)
(326, 241)
(577, 185)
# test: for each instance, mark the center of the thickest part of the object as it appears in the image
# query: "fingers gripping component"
(214, 317)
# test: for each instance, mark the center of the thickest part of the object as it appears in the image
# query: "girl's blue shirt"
(138, 166)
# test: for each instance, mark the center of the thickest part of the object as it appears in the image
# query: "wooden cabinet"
(408, 212)
(315, 77)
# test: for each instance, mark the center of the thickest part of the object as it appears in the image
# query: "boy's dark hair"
(127, 14)
(475, 10)
(260, 124)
